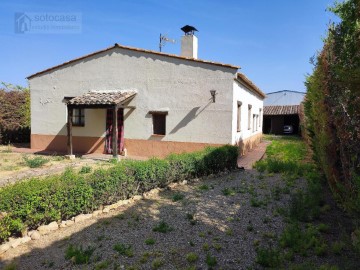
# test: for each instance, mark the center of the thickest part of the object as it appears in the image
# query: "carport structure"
(114, 100)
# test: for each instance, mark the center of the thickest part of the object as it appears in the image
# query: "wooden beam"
(115, 132)
(127, 107)
(69, 131)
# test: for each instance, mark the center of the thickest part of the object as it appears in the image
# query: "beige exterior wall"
(162, 82)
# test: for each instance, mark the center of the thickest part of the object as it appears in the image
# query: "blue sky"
(272, 41)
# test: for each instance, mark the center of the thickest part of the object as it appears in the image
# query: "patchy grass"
(178, 197)
(150, 241)
(162, 227)
(211, 261)
(192, 257)
(124, 249)
(78, 255)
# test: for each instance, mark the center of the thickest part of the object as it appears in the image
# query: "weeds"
(268, 257)
(163, 227)
(150, 241)
(124, 249)
(210, 261)
(192, 257)
(157, 263)
(78, 255)
(228, 191)
(85, 169)
(178, 197)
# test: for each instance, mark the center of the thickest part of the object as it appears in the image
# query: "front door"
(109, 124)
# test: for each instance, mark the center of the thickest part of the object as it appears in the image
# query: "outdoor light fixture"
(213, 93)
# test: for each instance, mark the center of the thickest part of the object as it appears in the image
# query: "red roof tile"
(111, 97)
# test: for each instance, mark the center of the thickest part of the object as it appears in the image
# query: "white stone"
(25, 239)
(62, 224)
(4, 247)
(69, 223)
(45, 229)
(106, 209)
(35, 235)
(172, 185)
(184, 182)
(71, 157)
(31, 232)
(96, 213)
(15, 242)
(82, 217)
(137, 197)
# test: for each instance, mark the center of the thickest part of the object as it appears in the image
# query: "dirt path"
(219, 221)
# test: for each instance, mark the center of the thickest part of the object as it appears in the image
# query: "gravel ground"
(224, 217)
(227, 227)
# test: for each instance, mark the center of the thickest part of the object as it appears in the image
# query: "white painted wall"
(182, 86)
(242, 94)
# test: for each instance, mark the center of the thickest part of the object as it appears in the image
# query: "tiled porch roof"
(281, 110)
(106, 97)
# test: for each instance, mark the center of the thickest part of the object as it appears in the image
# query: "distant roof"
(284, 97)
(100, 98)
(243, 79)
(132, 49)
(281, 110)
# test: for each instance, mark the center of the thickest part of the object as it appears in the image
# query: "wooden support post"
(115, 132)
(69, 131)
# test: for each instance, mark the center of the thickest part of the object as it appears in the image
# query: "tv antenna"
(163, 40)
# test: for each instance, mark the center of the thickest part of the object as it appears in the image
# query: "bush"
(35, 162)
(40, 201)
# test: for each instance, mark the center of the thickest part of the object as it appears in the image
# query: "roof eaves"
(243, 79)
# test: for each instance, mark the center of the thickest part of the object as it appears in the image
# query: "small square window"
(78, 117)
(159, 124)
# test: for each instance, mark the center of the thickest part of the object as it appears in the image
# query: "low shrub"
(35, 162)
(268, 257)
(59, 197)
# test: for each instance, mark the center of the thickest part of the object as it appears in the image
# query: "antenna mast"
(163, 39)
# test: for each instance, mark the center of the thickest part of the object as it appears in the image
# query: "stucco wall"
(246, 97)
(162, 82)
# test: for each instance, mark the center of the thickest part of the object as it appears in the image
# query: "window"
(78, 117)
(238, 116)
(249, 116)
(254, 125)
(159, 123)
(260, 118)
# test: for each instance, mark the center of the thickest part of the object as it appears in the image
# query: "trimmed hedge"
(31, 203)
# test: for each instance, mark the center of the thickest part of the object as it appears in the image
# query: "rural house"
(143, 103)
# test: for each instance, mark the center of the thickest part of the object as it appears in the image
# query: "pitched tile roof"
(243, 79)
(110, 97)
(281, 110)
(132, 49)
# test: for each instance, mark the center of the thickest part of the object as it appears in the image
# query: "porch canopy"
(106, 99)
